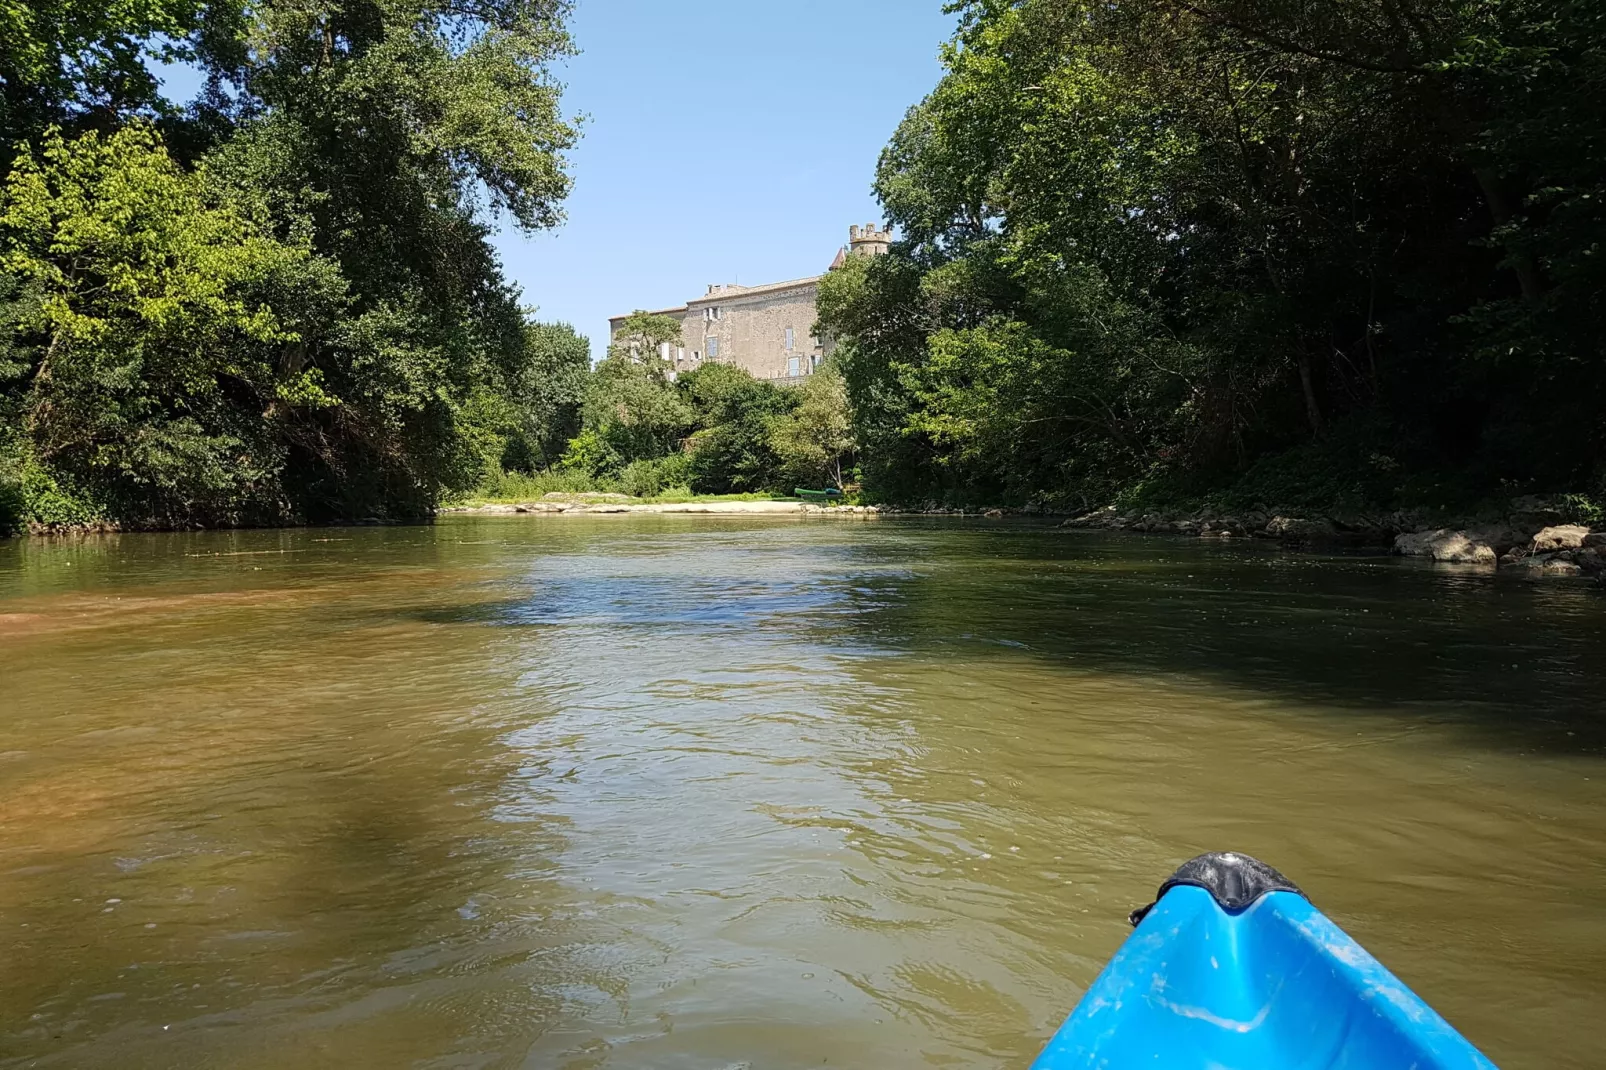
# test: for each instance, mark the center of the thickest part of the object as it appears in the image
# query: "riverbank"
(560, 503)
(1542, 536)
(1538, 535)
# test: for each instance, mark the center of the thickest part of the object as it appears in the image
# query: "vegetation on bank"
(643, 431)
(278, 304)
(1231, 253)
(1341, 255)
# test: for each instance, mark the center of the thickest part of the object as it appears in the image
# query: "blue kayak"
(1232, 968)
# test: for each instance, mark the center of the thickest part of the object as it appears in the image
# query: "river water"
(675, 792)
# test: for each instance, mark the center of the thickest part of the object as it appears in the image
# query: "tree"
(644, 336)
(733, 449)
(354, 350)
(159, 314)
(633, 412)
(813, 440)
(553, 388)
(1151, 244)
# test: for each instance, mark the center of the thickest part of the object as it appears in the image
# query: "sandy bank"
(593, 508)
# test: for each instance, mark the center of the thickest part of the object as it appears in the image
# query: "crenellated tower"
(869, 240)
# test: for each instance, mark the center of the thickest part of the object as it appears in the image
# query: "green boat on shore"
(829, 494)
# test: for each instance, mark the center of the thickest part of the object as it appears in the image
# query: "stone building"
(768, 330)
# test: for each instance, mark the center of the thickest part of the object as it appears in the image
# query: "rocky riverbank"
(1534, 534)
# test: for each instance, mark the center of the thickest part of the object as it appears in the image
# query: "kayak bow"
(1232, 968)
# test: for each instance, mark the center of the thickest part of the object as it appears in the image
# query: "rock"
(1560, 537)
(1534, 511)
(994, 513)
(1595, 538)
(1503, 537)
(1556, 564)
(1447, 547)
(1591, 559)
(1298, 529)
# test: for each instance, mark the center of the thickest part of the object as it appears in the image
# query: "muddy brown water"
(664, 792)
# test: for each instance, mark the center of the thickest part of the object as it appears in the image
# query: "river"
(666, 792)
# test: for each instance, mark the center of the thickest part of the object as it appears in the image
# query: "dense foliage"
(279, 304)
(1347, 252)
(713, 430)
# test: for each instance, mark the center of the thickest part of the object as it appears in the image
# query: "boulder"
(1558, 567)
(1560, 537)
(1298, 529)
(1595, 538)
(1591, 559)
(1448, 547)
(1503, 537)
(1563, 563)
(1533, 511)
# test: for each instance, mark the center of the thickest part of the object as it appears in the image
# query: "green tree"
(1159, 242)
(160, 315)
(365, 352)
(644, 337)
(733, 450)
(552, 389)
(813, 440)
(633, 412)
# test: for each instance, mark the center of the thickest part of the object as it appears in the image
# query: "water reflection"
(668, 792)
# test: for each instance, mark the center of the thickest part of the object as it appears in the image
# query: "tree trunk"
(1533, 288)
(1307, 384)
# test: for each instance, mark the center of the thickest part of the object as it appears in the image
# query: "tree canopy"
(279, 303)
(1162, 244)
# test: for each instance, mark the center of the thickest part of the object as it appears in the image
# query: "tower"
(869, 240)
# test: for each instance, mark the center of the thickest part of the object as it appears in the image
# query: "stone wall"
(751, 324)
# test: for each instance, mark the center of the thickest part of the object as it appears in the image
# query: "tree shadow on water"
(1518, 660)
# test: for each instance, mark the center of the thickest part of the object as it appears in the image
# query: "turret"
(869, 240)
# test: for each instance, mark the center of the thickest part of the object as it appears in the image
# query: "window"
(815, 360)
(712, 344)
(663, 351)
(791, 366)
(789, 340)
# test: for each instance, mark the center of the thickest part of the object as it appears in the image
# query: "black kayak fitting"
(1234, 880)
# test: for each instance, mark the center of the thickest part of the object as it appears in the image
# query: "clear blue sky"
(724, 141)
(727, 141)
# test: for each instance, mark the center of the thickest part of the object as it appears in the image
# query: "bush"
(528, 486)
(734, 452)
(649, 479)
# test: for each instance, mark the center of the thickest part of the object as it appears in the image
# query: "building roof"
(732, 292)
(650, 312)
